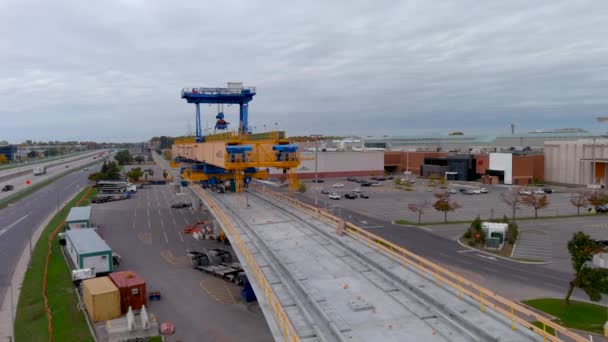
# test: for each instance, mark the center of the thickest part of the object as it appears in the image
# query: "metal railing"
(219, 91)
(514, 312)
(283, 322)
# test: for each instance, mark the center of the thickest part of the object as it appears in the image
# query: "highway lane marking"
(425, 228)
(162, 223)
(180, 236)
(486, 257)
(149, 226)
(9, 227)
(166, 238)
(489, 269)
(466, 251)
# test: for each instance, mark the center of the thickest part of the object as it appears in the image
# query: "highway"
(19, 219)
(7, 172)
(19, 180)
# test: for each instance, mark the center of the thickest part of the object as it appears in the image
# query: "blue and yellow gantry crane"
(236, 156)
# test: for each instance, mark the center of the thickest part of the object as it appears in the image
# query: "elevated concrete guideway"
(314, 285)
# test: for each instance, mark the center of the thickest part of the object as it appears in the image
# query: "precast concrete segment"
(352, 294)
(326, 329)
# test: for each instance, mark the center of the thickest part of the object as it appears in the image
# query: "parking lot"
(387, 202)
(148, 234)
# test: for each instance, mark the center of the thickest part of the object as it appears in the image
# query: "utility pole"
(316, 137)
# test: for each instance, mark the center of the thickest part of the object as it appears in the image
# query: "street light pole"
(316, 137)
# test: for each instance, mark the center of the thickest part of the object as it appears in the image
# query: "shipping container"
(132, 289)
(101, 297)
(88, 250)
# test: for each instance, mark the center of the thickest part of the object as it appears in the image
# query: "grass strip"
(69, 323)
(577, 315)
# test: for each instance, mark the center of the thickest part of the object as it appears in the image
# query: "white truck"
(40, 170)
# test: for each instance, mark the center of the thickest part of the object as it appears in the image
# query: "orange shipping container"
(101, 298)
(132, 289)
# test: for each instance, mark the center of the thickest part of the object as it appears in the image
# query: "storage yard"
(150, 238)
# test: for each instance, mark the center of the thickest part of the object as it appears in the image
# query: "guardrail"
(514, 312)
(283, 322)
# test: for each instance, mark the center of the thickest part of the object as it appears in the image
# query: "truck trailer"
(40, 170)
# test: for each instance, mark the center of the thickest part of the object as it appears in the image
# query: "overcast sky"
(113, 70)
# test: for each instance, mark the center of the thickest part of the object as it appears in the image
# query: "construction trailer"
(88, 250)
(79, 217)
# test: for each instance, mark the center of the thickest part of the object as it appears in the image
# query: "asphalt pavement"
(18, 220)
(149, 236)
(19, 181)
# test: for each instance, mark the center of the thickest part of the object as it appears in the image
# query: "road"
(19, 219)
(19, 182)
(6, 173)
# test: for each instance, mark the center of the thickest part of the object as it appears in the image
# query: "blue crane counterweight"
(234, 93)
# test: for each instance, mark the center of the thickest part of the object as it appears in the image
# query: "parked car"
(366, 184)
(350, 196)
(476, 191)
(539, 192)
(358, 190)
(334, 196)
(390, 177)
(318, 181)
(452, 191)
(483, 190)
(601, 209)
(548, 190)
(524, 192)
(468, 192)
(181, 205)
(376, 184)
(7, 187)
(350, 179)
(325, 192)
(463, 190)
(338, 185)
(362, 195)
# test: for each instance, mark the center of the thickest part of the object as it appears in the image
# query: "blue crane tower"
(234, 93)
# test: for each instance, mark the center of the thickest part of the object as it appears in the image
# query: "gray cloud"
(113, 70)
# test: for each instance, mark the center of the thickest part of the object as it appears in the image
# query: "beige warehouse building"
(577, 162)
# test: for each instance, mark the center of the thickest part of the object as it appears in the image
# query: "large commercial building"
(477, 143)
(581, 162)
(338, 164)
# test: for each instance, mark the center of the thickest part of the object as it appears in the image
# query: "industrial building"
(9, 151)
(463, 143)
(581, 162)
(338, 164)
(519, 168)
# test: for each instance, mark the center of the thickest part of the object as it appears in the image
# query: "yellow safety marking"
(218, 289)
(172, 259)
(146, 238)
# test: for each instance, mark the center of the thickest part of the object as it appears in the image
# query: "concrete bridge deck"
(314, 285)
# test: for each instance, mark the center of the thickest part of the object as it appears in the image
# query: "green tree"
(139, 159)
(594, 281)
(135, 174)
(512, 232)
(123, 157)
(445, 204)
(113, 172)
(302, 188)
(97, 176)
